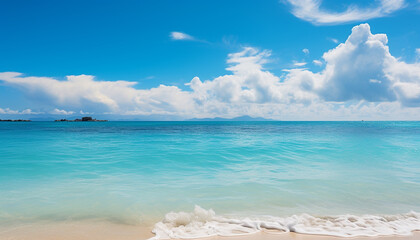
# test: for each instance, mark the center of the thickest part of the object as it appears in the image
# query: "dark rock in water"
(84, 119)
(14, 120)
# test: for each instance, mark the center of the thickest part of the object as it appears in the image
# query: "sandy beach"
(210, 120)
(77, 230)
(100, 230)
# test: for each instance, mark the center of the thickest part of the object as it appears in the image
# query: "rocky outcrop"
(83, 119)
(14, 120)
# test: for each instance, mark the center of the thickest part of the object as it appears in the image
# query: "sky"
(184, 59)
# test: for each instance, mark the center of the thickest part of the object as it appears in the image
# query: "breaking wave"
(205, 223)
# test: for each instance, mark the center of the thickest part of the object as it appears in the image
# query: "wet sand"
(99, 230)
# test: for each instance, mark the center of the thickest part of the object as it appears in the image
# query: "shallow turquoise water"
(137, 171)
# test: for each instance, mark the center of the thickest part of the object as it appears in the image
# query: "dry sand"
(80, 230)
(98, 230)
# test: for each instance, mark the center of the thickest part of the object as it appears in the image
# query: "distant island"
(83, 119)
(14, 120)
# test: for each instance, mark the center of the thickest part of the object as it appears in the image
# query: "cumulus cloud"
(180, 36)
(75, 90)
(305, 51)
(362, 68)
(351, 66)
(115, 96)
(249, 83)
(360, 79)
(311, 11)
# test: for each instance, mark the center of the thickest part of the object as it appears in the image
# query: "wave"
(205, 223)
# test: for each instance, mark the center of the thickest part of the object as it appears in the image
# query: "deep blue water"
(137, 171)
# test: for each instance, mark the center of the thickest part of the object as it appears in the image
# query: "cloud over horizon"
(8, 111)
(359, 79)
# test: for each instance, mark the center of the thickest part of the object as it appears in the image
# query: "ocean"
(198, 179)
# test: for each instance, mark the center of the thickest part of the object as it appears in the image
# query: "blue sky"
(158, 48)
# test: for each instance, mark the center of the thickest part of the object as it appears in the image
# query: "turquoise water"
(136, 172)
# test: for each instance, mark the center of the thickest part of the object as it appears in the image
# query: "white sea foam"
(205, 223)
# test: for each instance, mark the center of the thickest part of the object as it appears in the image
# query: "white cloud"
(17, 112)
(75, 90)
(305, 51)
(334, 40)
(351, 65)
(82, 112)
(375, 81)
(362, 68)
(61, 112)
(8, 111)
(311, 11)
(360, 80)
(114, 96)
(317, 62)
(299, 64)
(180, 36)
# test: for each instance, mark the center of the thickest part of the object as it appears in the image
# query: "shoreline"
(103, 230)
(266, 235)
